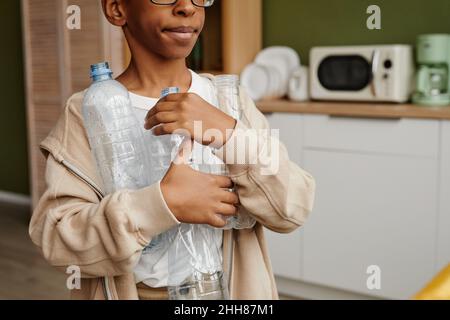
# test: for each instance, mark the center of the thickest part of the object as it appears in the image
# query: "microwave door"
(375, 65)
(345, 73)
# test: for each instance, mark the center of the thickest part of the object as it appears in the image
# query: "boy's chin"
(178, 54)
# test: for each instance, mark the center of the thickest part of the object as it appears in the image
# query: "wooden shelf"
(223, 44)
(355, 109)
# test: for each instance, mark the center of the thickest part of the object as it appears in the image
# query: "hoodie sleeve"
(104, 237)
(274, 190)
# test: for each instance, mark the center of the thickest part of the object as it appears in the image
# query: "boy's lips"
(180, 33)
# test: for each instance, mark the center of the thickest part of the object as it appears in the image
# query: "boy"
(75, 224)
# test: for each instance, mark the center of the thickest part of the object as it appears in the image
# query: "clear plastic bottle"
(195, 270)
(162, 153)
(114, 133)
(194, 256)
(228, 96)
(163, 149)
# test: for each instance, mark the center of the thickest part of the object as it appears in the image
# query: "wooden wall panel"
(43, 86)
(85, 45)
(57, 64)
(43, 42)
(241, 32)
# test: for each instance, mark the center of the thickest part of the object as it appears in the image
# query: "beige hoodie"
(75, 224)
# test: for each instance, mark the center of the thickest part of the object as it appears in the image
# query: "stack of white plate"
(268, 77)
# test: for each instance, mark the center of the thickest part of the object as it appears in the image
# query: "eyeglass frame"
(175, 1)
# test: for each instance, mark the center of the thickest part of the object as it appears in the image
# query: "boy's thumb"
(184, 152)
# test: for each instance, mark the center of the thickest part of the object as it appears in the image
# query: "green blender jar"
(433, 75)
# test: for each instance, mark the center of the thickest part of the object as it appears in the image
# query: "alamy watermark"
(374, 20)
(373, 281)
(259, 148)
(73, 20)
(73, 281)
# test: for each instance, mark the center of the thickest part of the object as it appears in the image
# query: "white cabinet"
(286, 249)
(444, 199)
(382, 200)
(290, 131)
(371, 210)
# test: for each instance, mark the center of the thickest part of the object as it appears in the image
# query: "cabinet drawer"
(390, 136)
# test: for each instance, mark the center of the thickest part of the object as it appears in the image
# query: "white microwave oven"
(362, 73)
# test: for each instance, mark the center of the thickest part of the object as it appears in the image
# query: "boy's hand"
(179, 111)
(196, 197)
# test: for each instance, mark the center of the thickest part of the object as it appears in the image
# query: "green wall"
(13, 134)
(302, 24)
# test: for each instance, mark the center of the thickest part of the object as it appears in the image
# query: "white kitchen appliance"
(380, 73)
(299, 85)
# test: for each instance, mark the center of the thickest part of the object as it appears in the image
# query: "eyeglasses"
(197, 3)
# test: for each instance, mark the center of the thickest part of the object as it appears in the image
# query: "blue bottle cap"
(100, 69)
(170, 90)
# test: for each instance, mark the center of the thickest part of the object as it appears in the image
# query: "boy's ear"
(114, 12)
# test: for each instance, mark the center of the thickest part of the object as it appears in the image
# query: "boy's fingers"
(229, 197)
(224, 182)
(217, 221)
(159, 107)
(163, 129)
(161, 117)
(227, 209)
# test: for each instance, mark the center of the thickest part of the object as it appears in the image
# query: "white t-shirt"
(152, 268)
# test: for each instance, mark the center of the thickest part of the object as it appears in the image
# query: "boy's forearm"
(72, 227)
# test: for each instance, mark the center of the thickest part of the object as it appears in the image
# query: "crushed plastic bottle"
(195, 264)
(195, 256)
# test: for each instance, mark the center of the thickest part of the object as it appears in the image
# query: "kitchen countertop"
(355, 109)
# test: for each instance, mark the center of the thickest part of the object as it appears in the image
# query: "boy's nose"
(184, 7)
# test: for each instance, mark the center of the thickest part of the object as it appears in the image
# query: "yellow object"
(438, 288)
